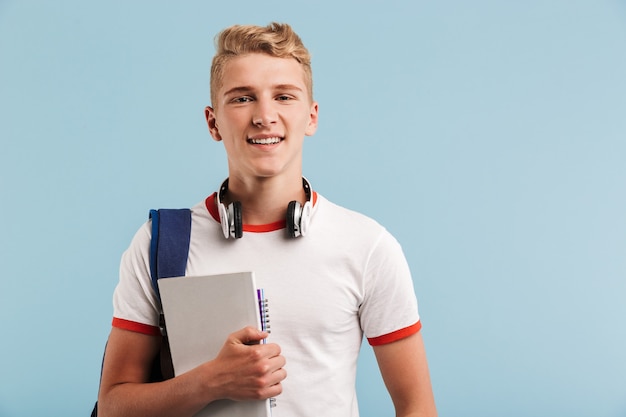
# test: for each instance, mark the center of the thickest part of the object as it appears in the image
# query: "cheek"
(231, 125)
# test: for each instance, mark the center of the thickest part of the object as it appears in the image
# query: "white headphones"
(298, 215)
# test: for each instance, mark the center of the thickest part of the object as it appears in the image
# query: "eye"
(242, 99)
(284, 97)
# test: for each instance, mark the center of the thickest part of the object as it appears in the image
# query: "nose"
(264, 113)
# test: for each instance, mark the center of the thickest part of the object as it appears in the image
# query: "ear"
(313, 117)
(209, 115)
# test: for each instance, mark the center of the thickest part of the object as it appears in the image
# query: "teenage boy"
(333, 275)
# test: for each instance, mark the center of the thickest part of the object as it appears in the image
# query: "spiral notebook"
(200, 312)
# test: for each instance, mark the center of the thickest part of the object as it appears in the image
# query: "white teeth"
(265, 141)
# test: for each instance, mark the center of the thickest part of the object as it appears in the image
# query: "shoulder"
(352, 227)
(345, 216)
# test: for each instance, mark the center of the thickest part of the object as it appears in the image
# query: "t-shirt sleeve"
(389, 309)
(135, 305)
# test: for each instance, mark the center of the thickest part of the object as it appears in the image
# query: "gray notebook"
(200, 312)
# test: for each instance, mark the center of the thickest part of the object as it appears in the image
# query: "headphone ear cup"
(292, 226)
(305, 218)
(231, 220)
(237, 231)
(224, 220)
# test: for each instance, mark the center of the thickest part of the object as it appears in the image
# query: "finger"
(275, 381)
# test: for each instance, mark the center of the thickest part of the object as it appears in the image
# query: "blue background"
(488, 136)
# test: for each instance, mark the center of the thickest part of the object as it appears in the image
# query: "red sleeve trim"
(133, 326)
(394, 336)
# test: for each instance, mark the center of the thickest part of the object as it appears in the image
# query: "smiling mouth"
(265, 141)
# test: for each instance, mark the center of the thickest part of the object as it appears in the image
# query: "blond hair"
(276, 39)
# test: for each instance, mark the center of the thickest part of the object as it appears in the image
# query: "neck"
(264, 200)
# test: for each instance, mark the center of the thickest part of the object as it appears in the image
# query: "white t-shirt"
(346, 278)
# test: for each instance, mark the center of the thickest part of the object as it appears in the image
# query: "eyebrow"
(287, 87)
(238, 90)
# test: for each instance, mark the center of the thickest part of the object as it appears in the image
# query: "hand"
(245, 369)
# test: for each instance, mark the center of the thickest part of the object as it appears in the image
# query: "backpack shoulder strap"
(169, 250)
(169, 246)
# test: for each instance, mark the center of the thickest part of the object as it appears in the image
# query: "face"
(262, 114)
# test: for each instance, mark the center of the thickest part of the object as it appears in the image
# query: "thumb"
(249, 336)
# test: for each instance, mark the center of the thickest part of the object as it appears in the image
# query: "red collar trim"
(211, 206)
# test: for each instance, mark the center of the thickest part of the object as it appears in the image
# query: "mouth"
(265, 141)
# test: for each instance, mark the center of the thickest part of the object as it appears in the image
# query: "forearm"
(239, 372)
(182, 396)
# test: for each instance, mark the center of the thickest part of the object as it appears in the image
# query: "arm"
(239, 372)
(404, 369)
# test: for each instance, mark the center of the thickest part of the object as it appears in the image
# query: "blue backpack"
(169, 250)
